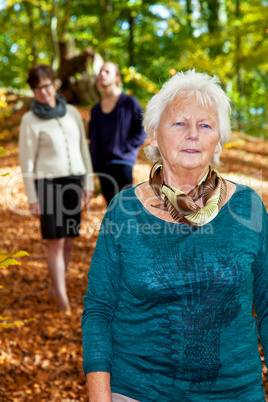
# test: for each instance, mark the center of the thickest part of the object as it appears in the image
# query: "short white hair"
(205, 89)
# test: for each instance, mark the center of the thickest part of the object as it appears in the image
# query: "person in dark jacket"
(115, 133)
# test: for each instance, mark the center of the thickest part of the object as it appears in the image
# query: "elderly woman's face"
(187, 135)
(45, 92)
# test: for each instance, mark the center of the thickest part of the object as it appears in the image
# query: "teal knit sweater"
(168, 309)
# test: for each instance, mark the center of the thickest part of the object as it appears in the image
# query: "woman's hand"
(35, 209)
(98, 386)
(87, 195)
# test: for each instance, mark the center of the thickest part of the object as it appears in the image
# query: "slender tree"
(34, 50)
(54, 34)
(131, 40)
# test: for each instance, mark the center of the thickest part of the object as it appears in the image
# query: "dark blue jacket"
(128, 136)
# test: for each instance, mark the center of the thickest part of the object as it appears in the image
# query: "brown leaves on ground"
(41, 359)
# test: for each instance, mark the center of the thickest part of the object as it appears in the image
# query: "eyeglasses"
(39, 89)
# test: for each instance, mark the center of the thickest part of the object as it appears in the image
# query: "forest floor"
(41, 357)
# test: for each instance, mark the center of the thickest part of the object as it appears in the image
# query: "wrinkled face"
(46, 92)
(187, 135)
(107, 75)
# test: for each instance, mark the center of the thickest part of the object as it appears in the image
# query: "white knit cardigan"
(53, 148)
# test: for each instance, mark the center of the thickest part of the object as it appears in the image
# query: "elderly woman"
(56, 165)
(178, 263)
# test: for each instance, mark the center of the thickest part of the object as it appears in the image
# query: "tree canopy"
(150, 40)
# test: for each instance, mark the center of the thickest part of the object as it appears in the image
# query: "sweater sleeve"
(28, 144)
(100, 300)
(138, 134)
(260, 270)
(88, 177)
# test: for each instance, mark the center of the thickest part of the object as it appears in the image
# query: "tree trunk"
(106, 6)
(66, 18)
(213, 15)
(213, 22)
(104, 19)
(54, 34)
(131, 40)
(77, 73)
(28, 8)
(237, 62)
(189, 10)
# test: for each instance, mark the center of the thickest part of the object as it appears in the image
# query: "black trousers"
(114, 178)
(60, 203)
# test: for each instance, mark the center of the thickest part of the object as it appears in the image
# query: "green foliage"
(5, 112)
(5, 261)
(7, 322)
(138, 85)
(223, 37)
(2, 152)
(9, 259)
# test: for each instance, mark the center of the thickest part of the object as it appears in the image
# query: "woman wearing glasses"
(57, 172)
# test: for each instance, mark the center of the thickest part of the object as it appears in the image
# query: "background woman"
(115, 133)
(178, 263)
(55, 163)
